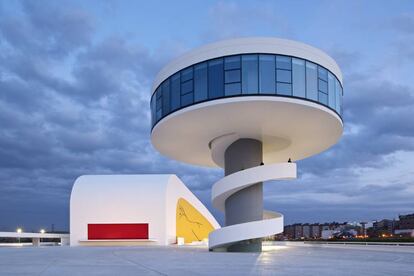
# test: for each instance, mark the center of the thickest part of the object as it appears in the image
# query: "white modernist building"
(135, 210)
(251, 106)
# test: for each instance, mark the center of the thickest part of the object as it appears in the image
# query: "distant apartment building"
(406, 221)
(295, 231)
(382, 228)
(363, 229)
(405, 226)
(310, 231)
(306, 231)
(325, 227)
(298, 231)
(289, 232)
(316, 231)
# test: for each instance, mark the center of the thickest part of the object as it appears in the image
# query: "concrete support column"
(247, 204)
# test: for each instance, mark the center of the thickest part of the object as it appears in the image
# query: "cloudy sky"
(75, 82)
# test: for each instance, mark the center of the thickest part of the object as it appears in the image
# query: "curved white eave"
(186, 135)
(269, 45)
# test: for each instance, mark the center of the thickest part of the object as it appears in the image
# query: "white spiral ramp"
(272, 222)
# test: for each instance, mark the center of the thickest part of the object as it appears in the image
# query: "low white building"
(136, 209)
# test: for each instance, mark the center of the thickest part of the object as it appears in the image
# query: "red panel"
(117, 231)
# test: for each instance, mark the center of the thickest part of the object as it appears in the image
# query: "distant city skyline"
(75, 81)
(401, 228)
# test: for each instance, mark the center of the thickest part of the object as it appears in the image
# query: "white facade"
(112, 199)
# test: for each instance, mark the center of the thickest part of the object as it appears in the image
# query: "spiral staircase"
(272, 222)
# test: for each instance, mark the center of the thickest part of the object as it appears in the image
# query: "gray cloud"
(71, 107)
(229, 19)
(403, 37)
(50, 32)
(73, 104)
(404, 23)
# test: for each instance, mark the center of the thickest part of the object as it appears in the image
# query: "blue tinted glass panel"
(267, 76)
(215, 78)
(232, 76)
(232, 62)
(323, 98)
(200, 82)
(298, 75)
(250, 73)
(337, 97)
(283, 62)
(246, 74)
(283, 88)
(159, 115)
(153, 110)
(186, 99)
(232, 89)
(284, 76)
(186, 87)
(159, 103)
(323, 86)
(331, 91)
(340, 99)
(166, 97)
(187, 74)
(311, 81)
(322, 73)
(158, 95)
(175, 92)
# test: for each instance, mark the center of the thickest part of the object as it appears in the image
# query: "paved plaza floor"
(280, 259)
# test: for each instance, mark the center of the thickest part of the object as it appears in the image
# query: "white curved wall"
(148, 199)
(268, 45)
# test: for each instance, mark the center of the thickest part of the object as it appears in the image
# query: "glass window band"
(244, 75)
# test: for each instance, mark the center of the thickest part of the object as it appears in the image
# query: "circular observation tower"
(247, 105)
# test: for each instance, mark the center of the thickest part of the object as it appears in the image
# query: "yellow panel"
(191, 224)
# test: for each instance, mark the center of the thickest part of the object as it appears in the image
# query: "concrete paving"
(281, 259)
